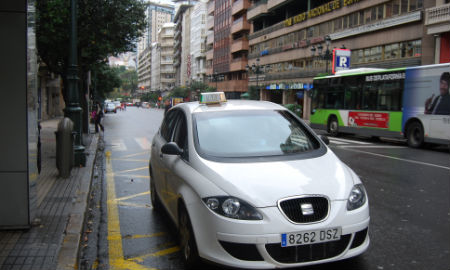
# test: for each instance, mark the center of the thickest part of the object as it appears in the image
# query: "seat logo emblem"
(307, 209)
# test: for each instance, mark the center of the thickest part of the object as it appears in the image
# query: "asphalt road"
(408, 194)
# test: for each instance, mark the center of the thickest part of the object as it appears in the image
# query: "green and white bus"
(411, 103)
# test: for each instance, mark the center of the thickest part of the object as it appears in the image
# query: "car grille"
(308, 253)
(245, 252)
(293, 211)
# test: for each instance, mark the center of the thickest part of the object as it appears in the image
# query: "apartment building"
(228, 60)
(157, 15)
(197, 58)
(167, 72)
(290, 40)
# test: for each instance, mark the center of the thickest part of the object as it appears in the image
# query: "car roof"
(230, 105)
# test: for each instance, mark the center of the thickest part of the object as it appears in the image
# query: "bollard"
(64, 147)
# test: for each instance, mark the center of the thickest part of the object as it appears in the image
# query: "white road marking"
(143, 143)
(401, 159)
(349, 141)
(373, 146)
(336, 142)
(118, 145)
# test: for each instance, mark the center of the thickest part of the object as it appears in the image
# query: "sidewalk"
(61, 204)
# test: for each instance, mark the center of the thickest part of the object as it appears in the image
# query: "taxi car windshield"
(251, 134)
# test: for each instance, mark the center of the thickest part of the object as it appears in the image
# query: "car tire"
(333, 126)
(188, 245)
(156, 203)
(415, 135)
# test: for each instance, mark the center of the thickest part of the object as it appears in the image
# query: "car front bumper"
(257, 244)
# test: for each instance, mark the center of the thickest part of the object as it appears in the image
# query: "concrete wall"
(18, 114)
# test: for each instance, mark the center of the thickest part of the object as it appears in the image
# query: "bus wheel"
(415, 135)
(333, 126)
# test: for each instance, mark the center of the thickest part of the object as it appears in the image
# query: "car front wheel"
(187, 241)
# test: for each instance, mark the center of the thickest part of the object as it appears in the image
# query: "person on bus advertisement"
(440, 104)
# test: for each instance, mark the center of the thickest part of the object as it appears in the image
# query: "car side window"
(180, 135)
(168, 125)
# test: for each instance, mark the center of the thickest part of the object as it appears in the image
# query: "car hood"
(262, 184)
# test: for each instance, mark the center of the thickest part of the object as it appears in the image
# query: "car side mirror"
(171, 148)
(325, 139)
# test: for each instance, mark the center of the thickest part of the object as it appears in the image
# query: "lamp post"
(326, 55)
(255, 69)
(73, 109)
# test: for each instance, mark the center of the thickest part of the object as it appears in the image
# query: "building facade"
(181, 51)
(157, 15)
(437, 22)
(166, 70)
(227, 61)
(198, 42)
(379, 33)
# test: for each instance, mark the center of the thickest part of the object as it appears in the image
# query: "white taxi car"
(249, 185)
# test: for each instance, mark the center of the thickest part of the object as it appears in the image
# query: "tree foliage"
(104, 28)
(105, 80)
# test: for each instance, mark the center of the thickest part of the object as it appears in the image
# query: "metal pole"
(73, 110)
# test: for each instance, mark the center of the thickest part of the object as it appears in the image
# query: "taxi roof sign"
(212, 98)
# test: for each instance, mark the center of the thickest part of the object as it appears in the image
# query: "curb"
(68, 254)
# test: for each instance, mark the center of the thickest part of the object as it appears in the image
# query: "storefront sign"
(368, 119)
(318, 11)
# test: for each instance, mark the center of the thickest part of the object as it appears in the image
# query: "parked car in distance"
(249, 185)
(110, 107)
(117, 104)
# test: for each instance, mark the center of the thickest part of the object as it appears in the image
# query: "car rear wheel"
(187, 241)
(415, 135)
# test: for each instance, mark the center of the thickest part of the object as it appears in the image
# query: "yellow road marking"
(115, 249)
(156, 254)
(134, 176)
(132, 170)
(133, 196)
(136, 154)
(135, 205)
(139, 236)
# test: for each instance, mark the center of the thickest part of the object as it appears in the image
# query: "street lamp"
(326, 55)
(255, 69)
(73, 109)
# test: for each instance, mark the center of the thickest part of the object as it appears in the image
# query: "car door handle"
(160, 155)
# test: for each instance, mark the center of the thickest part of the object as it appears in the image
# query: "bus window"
(353, 89)
(318, 98)
(390, 96)
(370, 96)
(334, 98)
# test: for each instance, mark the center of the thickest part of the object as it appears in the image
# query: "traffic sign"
(341, 59)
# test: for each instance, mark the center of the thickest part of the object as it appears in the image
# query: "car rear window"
(243, 134)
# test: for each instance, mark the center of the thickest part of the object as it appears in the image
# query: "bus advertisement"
(411, 103)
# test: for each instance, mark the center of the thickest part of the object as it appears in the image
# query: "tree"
(104, 28)
(105, 80)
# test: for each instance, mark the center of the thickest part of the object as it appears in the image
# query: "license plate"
(310, 237)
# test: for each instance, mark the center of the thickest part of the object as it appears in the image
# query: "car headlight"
(232, 207)
(357, 197)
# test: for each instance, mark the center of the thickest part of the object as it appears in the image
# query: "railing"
(437, 14)
(267, 30)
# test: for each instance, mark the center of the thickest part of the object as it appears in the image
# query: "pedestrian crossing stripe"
(345, 141)
(119, 145)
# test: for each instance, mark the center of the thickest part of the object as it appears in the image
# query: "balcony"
(271, 4)
(240, 5)
(437, 15)
(210, 39)
(167, 80)
(240, 25)
(210, 23)
(256, 10)
(167, 44)
(209, 55)
(239, 45)
(209, 71)
(211, 8)
(168, 71)
(238, 64)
